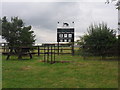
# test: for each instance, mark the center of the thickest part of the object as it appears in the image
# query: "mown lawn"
(78, 74)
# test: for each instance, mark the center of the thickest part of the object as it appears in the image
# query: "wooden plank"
(59, 53)
(56, 49)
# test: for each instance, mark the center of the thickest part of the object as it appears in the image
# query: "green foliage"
(16, 33)
(118, 44)
(99, 40)
(0, 27)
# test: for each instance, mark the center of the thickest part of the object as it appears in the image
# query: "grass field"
(78, 74)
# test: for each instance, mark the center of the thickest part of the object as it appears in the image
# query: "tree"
(0, 27)
(99, 40)
(16, 33)
(108, 1)
(118, 44)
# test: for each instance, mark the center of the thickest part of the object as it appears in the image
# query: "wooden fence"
(38, 50)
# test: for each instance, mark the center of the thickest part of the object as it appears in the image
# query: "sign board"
(65, 34)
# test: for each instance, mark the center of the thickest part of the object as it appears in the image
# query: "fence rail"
(40, 50)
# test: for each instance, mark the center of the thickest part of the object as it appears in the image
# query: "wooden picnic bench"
(19, 51)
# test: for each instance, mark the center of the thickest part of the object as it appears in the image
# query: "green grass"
(0, 70)
(79, 74)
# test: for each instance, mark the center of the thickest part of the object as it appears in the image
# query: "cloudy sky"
(43, 16)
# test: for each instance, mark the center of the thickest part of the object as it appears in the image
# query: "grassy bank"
(78, 74)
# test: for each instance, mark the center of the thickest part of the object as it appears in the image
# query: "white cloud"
(44, 35)
(44, 16)
(53, 0)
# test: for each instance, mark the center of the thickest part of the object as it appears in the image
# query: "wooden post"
(44, 54)
(38, 50)
(4, 46)
(58, 48)
(72, 48)
(54, 53)
(51, 54)
(48, 54)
